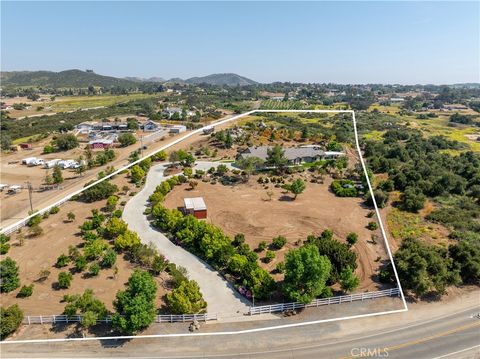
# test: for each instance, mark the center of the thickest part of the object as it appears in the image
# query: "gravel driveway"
(221, 297)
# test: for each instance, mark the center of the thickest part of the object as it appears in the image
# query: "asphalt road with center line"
(455, 335)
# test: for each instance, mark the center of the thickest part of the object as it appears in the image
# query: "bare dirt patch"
(246, 208)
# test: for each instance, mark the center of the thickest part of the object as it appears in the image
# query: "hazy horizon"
(311, 82)
(344, 43)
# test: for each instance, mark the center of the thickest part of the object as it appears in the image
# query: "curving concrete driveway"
(221, 297)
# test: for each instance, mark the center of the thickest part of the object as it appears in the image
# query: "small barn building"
(196, 207)
(178, 129)
(100, 143)
(26, 146)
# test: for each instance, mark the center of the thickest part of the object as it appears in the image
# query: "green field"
(405, 224)
(76, 102)
(391, 109)
(439, 126)
(284, 105)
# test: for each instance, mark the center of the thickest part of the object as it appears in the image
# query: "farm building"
(100, 143)
(178, 129)
(149, 126)
(88, 126)
(26, 146)
(294, 155)
(196, 207)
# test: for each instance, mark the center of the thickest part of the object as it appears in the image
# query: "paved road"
(453, 335)
(221, 297)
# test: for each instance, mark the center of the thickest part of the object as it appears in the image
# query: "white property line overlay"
(221, 122)
(234, 332)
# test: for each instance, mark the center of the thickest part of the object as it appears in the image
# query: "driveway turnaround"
(221, 297)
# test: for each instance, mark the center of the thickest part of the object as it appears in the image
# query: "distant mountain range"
(228, 79)
(142, 79)
(62, 79)
(83, 79)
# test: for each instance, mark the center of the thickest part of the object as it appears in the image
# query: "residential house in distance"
(88, 126)
(454, 107)
(149, 126)
(294, 155)
(169, 112)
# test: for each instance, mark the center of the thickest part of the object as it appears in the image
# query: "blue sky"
(341, 42)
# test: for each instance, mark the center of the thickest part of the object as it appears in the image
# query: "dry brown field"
(246, 208)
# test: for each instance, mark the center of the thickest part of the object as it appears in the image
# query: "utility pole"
(30, 191)
(141, 146)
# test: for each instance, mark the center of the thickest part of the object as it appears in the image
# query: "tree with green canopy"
(276, 157)
(88, 306)
(296, 187)
(9, 279)
(306, 274)
(348, 280)
(186, 299)
(10, 318)
(135, 306)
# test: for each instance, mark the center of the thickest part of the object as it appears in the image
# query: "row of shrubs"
(210, 243)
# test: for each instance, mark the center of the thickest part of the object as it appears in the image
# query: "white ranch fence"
(49, 319)
(284, 307)
(182, 318)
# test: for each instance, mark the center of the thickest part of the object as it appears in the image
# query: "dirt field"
(41, 253)
(245, 208)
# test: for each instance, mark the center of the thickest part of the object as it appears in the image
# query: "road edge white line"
(177, 335)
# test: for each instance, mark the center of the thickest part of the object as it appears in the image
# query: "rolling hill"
(83, 79)
(227, 79)
(142, 79)
(62, 79)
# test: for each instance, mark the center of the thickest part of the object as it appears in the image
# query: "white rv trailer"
(14, 189)
(52, 163)
(64, 164)
(29, 161)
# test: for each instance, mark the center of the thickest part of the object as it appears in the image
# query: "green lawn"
(76, 102)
